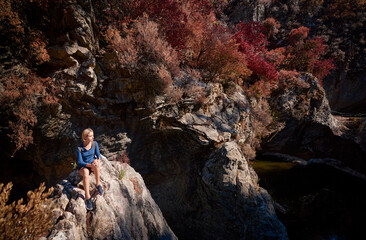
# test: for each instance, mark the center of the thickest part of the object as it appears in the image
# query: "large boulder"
(230, 187)
(125, 211)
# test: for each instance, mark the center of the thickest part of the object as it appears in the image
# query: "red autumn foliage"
(147, 57)
(298, 35)
(9, 18)
(209, 46)
(169, 16)
(301, 54)
(167, 13)
(307, 54)
(23, 95)
(291, 79)
(253, 43)
(271, 26)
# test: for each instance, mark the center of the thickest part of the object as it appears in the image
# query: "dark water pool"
(316, 201)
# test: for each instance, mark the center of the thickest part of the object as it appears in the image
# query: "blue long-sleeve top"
(87, 156)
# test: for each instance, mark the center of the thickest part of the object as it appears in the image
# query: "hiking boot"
(89, 204)
(100, 189)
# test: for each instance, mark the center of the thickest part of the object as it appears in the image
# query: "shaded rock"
(311, 130)
(306, 103)
(197, 173)
(346, 92)
(230, 187)
(80, 23)
(125, 211)
(310, 140)
(338, 165)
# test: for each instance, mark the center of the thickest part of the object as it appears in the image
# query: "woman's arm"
(81, 162)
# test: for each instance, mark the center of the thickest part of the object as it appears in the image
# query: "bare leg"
(97, 175)
(96, 170)
(85, 173)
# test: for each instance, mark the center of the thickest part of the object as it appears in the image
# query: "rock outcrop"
(197, 173)
(311, 131)
(230, 186)
(125, 211)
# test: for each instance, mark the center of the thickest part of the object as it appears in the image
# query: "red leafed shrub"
(209, 46)
(251, 37)
(169, 16)
(253, 43)
(37, 46)
(148, 58)
(260, 88)
(23, 95)
(322, 68)
(261, 67)
(9, 18)
(306, 54)
(276, 56)
(167, 13)
(298, 35)
(290, 79)
(271, 26)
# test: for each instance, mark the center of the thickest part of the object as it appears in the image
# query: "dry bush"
(23, 26)
(123, 158)
(341, 9)
(197, 92)
(248, 150)
(23, 95)
(147, 57)
(25, 221)
(9, 18)
(37, 48)
(210, 46)
(271, 25)
(261, 88)
(192, 85)
(174, 94)
(291, 79)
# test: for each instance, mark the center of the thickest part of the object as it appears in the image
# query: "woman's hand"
(96, 162)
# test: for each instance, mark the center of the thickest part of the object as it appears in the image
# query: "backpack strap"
(93, 146)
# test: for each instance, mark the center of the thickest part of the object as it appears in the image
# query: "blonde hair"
(85, 133)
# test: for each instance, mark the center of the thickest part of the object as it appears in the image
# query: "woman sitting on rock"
(88, 156)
